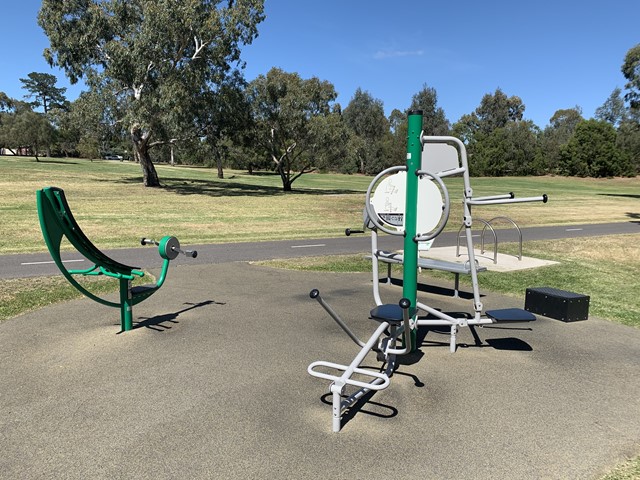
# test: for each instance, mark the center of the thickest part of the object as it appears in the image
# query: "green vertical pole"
(414, 158)
(126, 305)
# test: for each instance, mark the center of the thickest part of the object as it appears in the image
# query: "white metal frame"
(384, 338)
(462, 168)
(383, 341)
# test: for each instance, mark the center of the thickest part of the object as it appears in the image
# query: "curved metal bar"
(495, 239)
(373, 216)
(494, 234)
(423, 237)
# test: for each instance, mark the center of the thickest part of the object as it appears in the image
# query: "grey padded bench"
(430, 264)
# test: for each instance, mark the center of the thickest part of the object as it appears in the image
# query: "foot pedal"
(510, 315)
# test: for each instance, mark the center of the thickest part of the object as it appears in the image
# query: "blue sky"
(553, 54)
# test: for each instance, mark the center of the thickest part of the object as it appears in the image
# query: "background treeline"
(284, 123)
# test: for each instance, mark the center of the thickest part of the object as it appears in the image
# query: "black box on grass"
(558, 304)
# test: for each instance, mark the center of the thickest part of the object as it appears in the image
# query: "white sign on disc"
(389, 202)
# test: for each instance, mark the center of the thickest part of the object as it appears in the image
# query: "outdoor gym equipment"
(410, 201)
(446, 156)
(57, 222)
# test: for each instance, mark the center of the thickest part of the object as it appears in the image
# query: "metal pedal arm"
(315, 294)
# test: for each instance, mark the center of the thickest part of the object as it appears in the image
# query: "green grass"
(22, 295)
(627, 471)
(115, 210)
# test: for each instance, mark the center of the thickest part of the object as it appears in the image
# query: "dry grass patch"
(114, 209)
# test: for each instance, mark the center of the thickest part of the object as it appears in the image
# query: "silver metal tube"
(515, 225)
(506, 201)
(496, 197)
(375, 267)
(339, 321)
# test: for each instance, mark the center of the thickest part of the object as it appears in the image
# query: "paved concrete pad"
(505, 262)
(214, 385)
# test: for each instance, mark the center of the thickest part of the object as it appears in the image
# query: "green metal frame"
(57, 222)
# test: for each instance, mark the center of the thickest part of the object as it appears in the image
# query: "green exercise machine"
(57, 223)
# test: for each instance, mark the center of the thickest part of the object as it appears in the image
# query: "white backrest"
(439, 157)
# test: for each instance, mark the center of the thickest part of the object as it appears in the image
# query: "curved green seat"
(57, 222)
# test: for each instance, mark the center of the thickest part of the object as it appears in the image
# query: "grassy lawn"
(22, 295)
(115, 210)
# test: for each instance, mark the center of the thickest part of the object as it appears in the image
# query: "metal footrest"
(510, 315)
(349, 381)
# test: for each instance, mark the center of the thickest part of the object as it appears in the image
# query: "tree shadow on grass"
(56, 162)
(229, 188)
(625, 195)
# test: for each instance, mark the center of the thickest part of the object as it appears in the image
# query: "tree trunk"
(172, 162)
(286, 179)
(141, 144)
(149, 174)
(219, 165)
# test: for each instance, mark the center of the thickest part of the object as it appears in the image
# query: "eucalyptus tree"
(509, 150)
(28, 131)
(631, 71)
(629, 129)
(628, 140)
(613, 109)
(289, 124)
(365, 117)
(6, 102)
(555, 135)
(160, 61)
(434, 121)
(496, 111)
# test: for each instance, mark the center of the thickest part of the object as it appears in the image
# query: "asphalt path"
(40, 264)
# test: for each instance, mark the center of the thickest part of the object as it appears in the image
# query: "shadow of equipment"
(157, 322)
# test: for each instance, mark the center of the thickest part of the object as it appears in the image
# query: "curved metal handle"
(423, 237)
(373, 216)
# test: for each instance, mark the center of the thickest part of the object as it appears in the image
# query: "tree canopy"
(365, 118)
(158, 60)
(42, 88)
(289, 119)
(165, 82)
(631, 71)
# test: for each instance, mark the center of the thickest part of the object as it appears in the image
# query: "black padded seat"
(511, 315)
(138, 289)
(390, 313)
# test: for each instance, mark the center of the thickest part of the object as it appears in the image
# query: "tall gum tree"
(158, 60)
